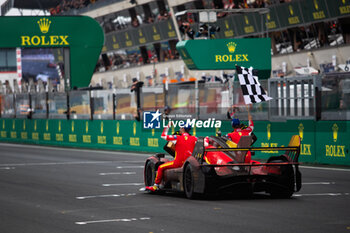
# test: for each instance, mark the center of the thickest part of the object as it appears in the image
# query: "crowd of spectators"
(118, 61)
(132, 18)
(67, 5)
(126, 59)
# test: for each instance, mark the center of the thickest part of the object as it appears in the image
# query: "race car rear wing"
(292, 151)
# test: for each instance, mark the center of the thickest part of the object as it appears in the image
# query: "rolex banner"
(225, 54)
(80, 36)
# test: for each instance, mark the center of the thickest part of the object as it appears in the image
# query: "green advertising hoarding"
(247, 24)
(140, 36)
(314, 10)
(227, 28)
(225, 54)
(338, 8)
(81, 34)
(321, 142)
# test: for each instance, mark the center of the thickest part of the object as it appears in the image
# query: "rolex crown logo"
(231, 47)
(44, 25)
(291, 11)
(246, 20)
(316, 4)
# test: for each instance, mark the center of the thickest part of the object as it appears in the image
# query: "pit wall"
(324, 142)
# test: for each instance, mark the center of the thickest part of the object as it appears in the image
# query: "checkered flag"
(251, 88)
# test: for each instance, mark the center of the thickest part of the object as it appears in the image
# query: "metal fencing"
(311, 97)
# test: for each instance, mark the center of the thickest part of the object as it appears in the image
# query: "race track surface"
(58, 190)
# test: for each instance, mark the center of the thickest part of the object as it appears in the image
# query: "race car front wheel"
(189, 182)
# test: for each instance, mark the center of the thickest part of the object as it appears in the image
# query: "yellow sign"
(24, 135)
(47, 125)
(13, 124)
(301, 131)
(291, 11)
(101, 140)
(35, 136)
(117, 140)
(305, 149)
(318, 14)
(72, 126)
(335, 151)
(263, 144)
(118, 125)
(87, 138)
(47, 136)
(44, 41)
(231, 47)
(13, 134)
(270, 24)
(3, 134)
(268, 131)
(59, 137)
(134, 141)
(24, 125)
(87, 126)
(72, 138)
(231, 58)
(59, 126)
(101, 127)
(134, 128)
(335, 129)
(44, 26)
(152, 142)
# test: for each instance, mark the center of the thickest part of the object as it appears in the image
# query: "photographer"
(204, 33)
(187, 31)
(136, 87)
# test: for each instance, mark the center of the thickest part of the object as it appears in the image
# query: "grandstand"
(308, 37)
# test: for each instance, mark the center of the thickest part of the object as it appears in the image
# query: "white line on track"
(106, 195)
(7, 168)
(123, 184)
(321, 194)
(76, 150)
(114, 220)
(317, 183)
(117, 173)
(55, 163)
(121, 167)
(326, 168)
(69, 163)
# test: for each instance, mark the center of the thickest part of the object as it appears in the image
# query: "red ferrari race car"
(220, 168)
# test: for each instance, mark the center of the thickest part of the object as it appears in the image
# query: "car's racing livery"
(218, 168)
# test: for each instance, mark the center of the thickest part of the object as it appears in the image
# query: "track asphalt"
(59, 190)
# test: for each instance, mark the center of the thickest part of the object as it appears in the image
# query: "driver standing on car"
(239, 131)
(183, 149)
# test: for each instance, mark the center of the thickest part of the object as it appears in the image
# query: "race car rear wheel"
(286, 179)
(149, 173)
(189, 182)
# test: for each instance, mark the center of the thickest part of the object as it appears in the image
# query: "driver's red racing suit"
(236, 135)
(183, 149)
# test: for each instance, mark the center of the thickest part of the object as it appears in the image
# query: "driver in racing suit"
(238, 132)
(183, 149)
